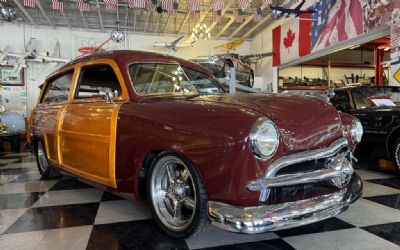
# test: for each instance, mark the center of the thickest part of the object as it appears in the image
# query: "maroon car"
(156, 127)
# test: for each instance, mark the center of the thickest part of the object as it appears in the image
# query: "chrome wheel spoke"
(177, 210)
(171, 174)
(189, 203)
(185, 174)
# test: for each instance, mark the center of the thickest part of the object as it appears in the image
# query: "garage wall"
(17, 35)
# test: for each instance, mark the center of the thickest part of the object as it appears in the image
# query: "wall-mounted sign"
(7, 78)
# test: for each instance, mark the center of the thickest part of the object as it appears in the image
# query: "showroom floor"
(67, 214)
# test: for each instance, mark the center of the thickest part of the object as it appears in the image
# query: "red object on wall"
(379, 53)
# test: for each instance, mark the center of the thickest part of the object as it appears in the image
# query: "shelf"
(338, 65)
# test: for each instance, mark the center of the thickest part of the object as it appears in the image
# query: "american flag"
(244, 4)
(218, 4)
(111, 5)
(193, 5)
(394, 35)
(28, 3)
(3, 0)
(195, 14)
(165, 4)
(151, 5)
(141, 4)
(337, 21)
(83, 5)
(173, 8)
(58, 4)
(257, 15)
(238, 15)
(266, 2)
(217, 16)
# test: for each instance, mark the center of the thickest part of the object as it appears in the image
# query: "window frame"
(167, 63)
(117, 71)
(51, 80)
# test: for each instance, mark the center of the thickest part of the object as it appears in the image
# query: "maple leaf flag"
(291, 40)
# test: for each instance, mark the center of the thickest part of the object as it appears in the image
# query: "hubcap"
(43, 164)
(173, 193)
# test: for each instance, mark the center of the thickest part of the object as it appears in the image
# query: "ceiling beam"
(229, 23)
(84, 20)
(227, 6)
(22, 8)
(65, 18)
(155, 26)
(126, 16)
(134, 20)
(183, 23)
(247, 21)
(166, 24)
(147, 19)
(100, 16)
(286, 4)
(39, 4)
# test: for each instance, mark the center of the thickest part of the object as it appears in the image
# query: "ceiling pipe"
(99, 13)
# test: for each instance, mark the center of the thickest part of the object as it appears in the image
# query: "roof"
(126, 56)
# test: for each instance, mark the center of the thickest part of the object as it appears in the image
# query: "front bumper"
(259, 219)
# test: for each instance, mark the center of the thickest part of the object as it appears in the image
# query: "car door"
(88, 130)
(53, 100)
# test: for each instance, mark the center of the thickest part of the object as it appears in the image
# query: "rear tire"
(177, 196)
(16, 143)
(396, 154)
(45, 169)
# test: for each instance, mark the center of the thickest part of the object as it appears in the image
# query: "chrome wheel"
(251, 80)
(173, 193)
(43, 164)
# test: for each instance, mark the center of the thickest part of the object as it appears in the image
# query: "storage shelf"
(338, 65)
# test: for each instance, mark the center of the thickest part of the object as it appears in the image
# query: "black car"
(378, 108)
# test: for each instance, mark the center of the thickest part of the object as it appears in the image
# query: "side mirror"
(107, 94)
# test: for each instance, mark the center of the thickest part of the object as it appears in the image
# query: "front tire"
(44, 167)
(16, 143)
(177, 196)
(396, 154)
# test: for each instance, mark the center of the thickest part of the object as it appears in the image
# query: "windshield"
(158, 78)
(368, 97)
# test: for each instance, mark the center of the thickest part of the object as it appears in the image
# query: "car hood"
(304, 122)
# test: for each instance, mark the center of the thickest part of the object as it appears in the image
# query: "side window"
(96, 78)
(202, 83)
(360, 100)
(341, 100)
(58, 88)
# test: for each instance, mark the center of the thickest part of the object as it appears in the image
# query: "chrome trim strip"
(259, 219)
(270, 179)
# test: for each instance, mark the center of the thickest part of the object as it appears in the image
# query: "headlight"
(264, 138)
(2, 108)
(356, 131)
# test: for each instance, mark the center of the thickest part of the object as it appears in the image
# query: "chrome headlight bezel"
(2, 108)
(356, 131)
(264, 125)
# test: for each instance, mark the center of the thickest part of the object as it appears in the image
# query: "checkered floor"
(67, 214)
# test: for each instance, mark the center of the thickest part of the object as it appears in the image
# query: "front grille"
(307, 166)
(300, 192)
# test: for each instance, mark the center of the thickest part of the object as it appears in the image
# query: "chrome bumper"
(259, 219)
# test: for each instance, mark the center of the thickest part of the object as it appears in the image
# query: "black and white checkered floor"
(68, 214)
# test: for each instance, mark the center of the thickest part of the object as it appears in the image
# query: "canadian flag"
(291, 40)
